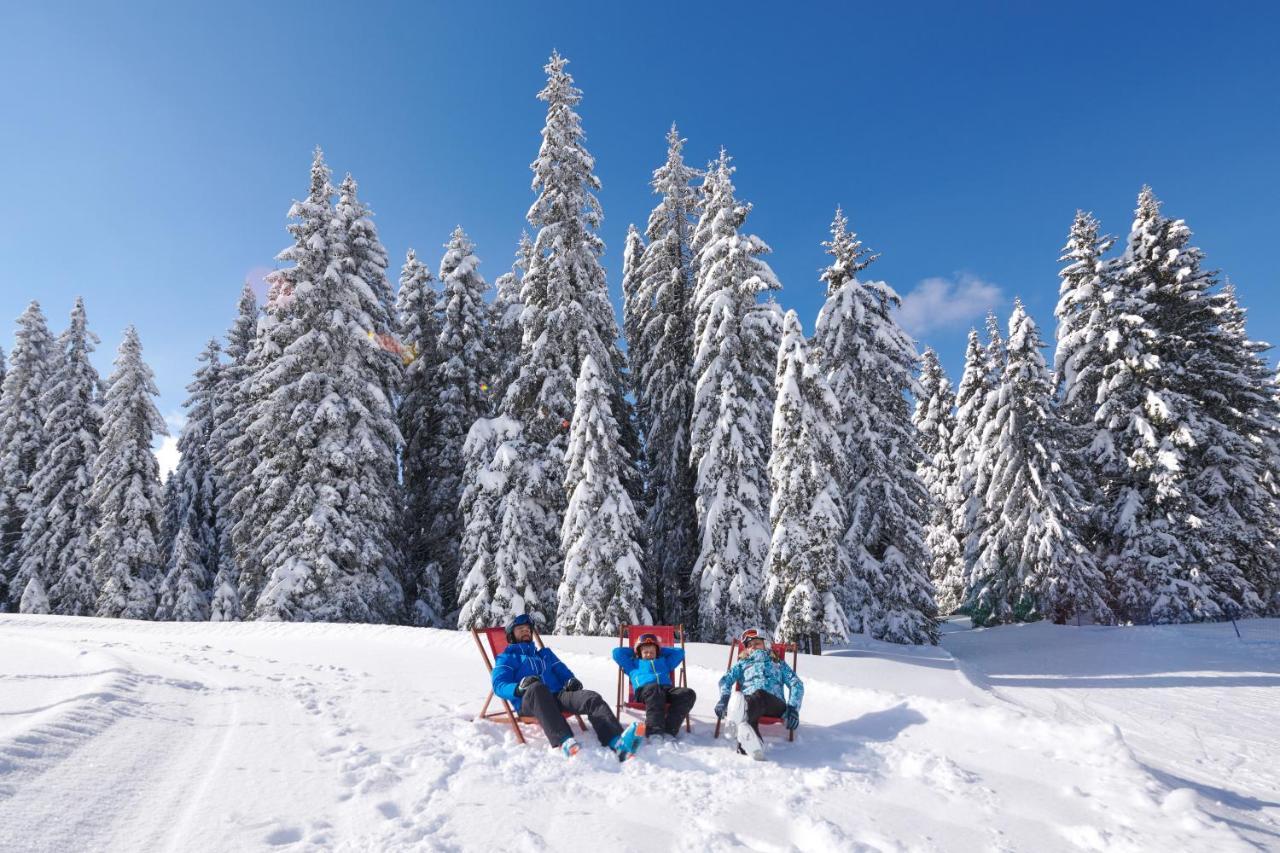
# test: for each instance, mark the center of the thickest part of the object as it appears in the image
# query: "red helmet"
(648, 639)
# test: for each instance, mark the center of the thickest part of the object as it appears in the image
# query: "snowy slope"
(118, 735)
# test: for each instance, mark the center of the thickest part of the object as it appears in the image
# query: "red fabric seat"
(497, 641)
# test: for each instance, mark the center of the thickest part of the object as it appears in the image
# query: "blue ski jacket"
(520, 660)
(760, 670)
(641, 672)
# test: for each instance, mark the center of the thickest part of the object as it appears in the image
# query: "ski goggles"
(648, 640)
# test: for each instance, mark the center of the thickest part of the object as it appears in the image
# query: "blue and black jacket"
(520, 660)
(660, 670)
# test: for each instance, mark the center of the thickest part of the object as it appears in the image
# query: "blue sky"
(152, 150)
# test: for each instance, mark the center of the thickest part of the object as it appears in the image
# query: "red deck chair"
(780, 651)
(497, 638)
(666, 634)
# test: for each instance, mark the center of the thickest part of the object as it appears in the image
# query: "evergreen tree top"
(243, 328)
(847, 250)
(459, 258)
(562, 174)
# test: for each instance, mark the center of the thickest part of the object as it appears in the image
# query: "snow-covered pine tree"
(22, 436)
(870, 364)
(1234, 463)
(460, 400)
(980, 455)
(493, 571)
(971, 395)
(1082, 320)
(125, 499)
(418, 309)
(1148, 426)
(662, 360)
(1030, 562)
(807, 563)
(728, 445)
(184, 593)
(935, 423)
(636, 307)
(504, 324)
(326, 424)
(602, 586)
(54, 551)
(566, 317)
(230, 453)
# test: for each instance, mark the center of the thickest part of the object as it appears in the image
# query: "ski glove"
(573, 684)
(527, 682)
(791, 717)
(722, 707)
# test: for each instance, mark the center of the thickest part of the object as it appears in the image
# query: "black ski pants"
(548, 707)
(762, 703)
(665, 707)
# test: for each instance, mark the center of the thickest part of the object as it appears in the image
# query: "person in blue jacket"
(651, 669)
(537, 683)
(769, 686)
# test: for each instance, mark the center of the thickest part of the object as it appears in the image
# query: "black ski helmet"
(522, 619)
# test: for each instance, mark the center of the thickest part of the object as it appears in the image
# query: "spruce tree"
(184, 593)
(807, 565)
(418, 309)
(662, 358)
(22, 436)
(232, 469)
(1031, 563)
(935, 424)
(325, 423)
(971, 395)
(460, 400)
(566, 316)
(1231, 382)
(504, 325)
(54, 552)
(870, 363)
(728, 445)
(602, 586)
(1149, 425)
(125, 498)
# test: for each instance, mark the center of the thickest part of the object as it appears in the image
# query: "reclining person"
(537, 683)
(762, 677)
(651, 669)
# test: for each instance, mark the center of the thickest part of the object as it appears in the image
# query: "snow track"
(118, 735)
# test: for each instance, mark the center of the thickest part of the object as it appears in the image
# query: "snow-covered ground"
(119, 735)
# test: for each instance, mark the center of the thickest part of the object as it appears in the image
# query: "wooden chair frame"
(625, 633)
(508, 715)
(779, 649)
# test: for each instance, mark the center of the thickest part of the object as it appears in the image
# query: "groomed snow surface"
(125, 736)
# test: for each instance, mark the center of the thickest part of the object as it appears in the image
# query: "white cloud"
(943, 303)
(167, 453)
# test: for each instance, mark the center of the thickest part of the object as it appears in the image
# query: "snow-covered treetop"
(562, 174)
(847, 250)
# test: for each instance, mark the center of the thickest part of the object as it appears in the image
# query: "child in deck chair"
(762, 678)
(650, 668)
(537, 683)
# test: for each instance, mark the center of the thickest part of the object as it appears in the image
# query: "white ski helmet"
(756, 634)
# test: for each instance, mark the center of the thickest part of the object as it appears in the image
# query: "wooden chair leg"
(581, 724)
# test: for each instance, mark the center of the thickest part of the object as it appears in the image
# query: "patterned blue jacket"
(519, 660)
(641, 672)
(760, 670)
